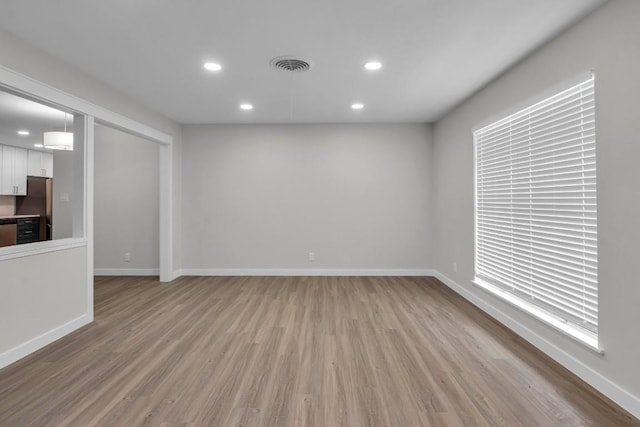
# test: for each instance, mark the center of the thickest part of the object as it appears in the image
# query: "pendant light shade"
(57, 140)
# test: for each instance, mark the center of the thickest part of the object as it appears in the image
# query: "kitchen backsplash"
(7, 205)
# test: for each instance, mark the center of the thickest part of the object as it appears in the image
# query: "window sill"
(585, 338)
(37, 248)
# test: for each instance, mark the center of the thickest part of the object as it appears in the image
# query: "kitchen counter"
(18, 216)
(19, 229)
(11, 219)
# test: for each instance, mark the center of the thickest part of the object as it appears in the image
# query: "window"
(536, 212)
(36, 206)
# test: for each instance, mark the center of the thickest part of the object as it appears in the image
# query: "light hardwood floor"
(293, 351)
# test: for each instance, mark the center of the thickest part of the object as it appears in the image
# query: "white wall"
(264, 196)
(609, 43)
(62, 212)
(126, 191)
(34, 304)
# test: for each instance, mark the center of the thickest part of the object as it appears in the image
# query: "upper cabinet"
(40, 164)
(16, 163)
(13, 171)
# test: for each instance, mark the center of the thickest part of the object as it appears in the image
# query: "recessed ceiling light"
(38, 145)
(357, 106)
(373, 65)
(246, 107)
(23, 132)
(212, 66)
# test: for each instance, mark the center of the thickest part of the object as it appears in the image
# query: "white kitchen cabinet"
(7, 186)
(40, 164)
(47, 164)
(13, 173)
(20, 171)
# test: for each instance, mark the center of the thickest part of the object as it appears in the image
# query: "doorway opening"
(126, 204)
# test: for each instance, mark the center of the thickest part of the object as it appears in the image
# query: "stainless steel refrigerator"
(38, 201)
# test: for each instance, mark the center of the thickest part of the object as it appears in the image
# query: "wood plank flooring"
(293, 351)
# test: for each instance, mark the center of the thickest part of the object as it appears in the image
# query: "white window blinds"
(536, 216)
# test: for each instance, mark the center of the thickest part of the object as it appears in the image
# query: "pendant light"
(57, 140)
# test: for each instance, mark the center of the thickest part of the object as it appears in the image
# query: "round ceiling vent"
(288, 63)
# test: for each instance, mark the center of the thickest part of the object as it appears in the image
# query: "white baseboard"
(126, 271)
(604, 385)
(34, 344)
(303, 272)
(174, 275)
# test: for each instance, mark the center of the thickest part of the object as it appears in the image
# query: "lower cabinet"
(28, 230)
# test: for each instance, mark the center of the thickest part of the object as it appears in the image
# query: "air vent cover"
(288, 63)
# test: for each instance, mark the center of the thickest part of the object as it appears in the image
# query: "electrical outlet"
(455, 267)
(127, 257)
(312, 256)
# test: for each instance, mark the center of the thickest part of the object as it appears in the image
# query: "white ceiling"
(17, 113)
(435, 52)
